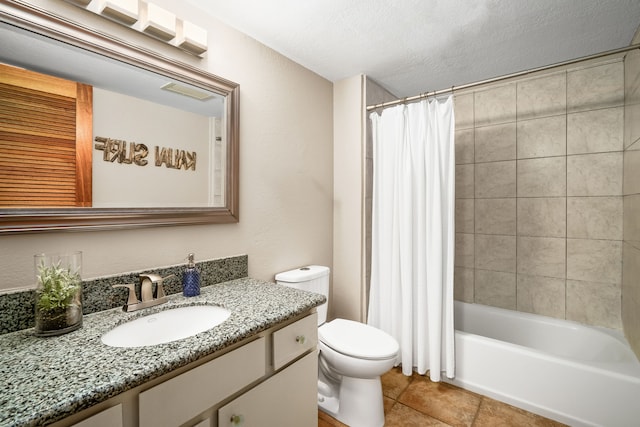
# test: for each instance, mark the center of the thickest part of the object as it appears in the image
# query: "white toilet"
(352, 357)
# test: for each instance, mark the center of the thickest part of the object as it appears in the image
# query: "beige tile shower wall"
(539, 194)
(631, 203)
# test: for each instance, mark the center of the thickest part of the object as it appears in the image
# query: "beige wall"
(348, 250)
(286, 171)
(353, 178)
(539, 194)
(631, 190)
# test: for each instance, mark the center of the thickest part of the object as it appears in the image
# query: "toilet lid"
(357, 339)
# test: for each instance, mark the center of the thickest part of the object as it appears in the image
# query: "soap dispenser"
(191, 279)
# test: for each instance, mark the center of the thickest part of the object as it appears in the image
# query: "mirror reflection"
(140, 140)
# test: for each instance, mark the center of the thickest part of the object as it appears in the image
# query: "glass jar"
(58, 305)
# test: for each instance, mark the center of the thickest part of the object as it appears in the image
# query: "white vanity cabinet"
(271, 380)
(285, 361)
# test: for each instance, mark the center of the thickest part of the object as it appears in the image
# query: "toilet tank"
(312, 278)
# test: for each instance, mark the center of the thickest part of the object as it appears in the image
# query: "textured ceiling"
(414, 46)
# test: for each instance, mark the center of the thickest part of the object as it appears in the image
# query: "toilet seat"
(358, 340)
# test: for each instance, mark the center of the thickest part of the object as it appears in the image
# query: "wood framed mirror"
(20, 16)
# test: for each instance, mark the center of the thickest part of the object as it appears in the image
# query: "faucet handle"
(146, 287)
(159, 287)
(133, 299)
(147, 280)
(152, 277)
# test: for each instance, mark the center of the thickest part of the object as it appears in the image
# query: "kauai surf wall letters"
(133, 153)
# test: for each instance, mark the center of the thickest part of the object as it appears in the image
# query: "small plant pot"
(58, 305)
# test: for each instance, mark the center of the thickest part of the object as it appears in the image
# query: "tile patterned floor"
(416, 401)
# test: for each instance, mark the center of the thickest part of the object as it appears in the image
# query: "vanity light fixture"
(187, 91)
(150, 19)
(192, 38)
(81, 3)
(124, 11)
(159, 22)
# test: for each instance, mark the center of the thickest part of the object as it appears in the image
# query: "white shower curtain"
(411, 293)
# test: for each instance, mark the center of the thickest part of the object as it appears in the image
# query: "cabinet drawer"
(287, 399)
(179, 399)
(111, 417)
(295, 339)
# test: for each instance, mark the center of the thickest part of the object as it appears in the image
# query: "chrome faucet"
(148, 299)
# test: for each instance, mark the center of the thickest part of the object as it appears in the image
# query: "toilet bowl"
(351, 359)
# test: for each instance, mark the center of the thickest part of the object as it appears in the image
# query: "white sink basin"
(166, 326)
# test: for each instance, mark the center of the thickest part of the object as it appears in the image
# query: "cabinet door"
(288, 399)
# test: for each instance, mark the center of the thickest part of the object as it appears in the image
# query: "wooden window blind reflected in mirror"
(45, 140)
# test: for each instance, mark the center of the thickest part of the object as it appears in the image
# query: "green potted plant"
(58, 305)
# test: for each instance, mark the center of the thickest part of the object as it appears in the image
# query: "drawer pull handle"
(237, 420)
(300, 339)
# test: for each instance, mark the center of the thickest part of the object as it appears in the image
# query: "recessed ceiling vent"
(189, 91)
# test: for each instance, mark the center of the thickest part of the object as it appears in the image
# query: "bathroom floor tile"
(403, 416)
(493, 413)
(394, 383)
(417, 401)
(449, 404)
(325, 420)
(387, 403)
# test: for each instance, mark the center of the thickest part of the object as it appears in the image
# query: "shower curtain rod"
(505, 77)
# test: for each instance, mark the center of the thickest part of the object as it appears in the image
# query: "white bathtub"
(563, 370)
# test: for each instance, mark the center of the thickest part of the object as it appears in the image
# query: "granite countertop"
(43, 380)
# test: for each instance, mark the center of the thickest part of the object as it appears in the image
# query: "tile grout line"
(475, 418)
(566, 191)
(517, 234)
(475, 203)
